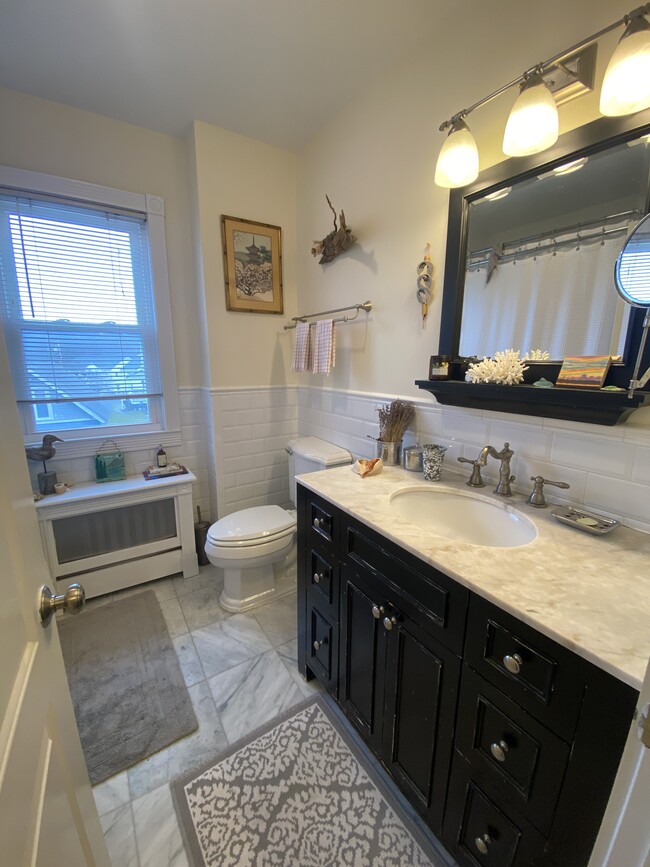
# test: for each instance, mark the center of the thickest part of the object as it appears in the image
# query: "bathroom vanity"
(495, 685)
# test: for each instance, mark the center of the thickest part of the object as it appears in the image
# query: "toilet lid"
(260, 523)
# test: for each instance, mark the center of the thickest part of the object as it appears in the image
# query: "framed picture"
(252, 264)
(584, 371)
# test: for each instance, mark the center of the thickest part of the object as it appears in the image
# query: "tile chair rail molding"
(601, 144)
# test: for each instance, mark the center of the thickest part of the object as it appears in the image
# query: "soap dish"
(587, 521)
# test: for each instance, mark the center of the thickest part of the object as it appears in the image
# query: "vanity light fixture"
(458, 160)
(533, 124)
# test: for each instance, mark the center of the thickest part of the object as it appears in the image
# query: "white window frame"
(80, 442)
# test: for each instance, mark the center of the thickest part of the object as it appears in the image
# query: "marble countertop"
(589, 593)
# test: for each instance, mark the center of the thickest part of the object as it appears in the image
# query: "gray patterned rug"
(129, 696)
(297, 794)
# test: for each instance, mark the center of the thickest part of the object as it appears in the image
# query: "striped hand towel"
(301, 356)
(324, 346)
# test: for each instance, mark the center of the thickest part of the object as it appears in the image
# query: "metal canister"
(412, 458)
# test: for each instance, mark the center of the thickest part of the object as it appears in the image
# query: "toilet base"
(249, 588)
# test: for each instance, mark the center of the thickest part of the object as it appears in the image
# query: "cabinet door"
(421, 686)
(362, 657)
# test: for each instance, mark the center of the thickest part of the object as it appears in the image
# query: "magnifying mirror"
(632, 275)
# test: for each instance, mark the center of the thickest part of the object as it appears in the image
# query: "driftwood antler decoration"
(336, 242)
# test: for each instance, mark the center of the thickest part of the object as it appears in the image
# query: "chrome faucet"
(475, 480)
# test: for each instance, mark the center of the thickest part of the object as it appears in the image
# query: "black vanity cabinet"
(398, 681)
(505, 742)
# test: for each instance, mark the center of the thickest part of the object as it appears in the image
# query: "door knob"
(499, 750)
(377, 611)
(483, 843)
(389, 622)
(73, 600)
(318, 644)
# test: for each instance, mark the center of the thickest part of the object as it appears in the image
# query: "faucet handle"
(536, 497)
(475, 480)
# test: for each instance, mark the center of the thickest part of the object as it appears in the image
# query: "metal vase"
(389, 453)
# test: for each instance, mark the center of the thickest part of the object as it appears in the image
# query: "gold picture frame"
(252, 265)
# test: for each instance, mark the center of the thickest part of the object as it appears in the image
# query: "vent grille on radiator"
(103, 532)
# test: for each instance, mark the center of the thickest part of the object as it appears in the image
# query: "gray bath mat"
(128, 691)
(298, 792)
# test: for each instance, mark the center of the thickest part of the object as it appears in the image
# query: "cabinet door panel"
(362, 655)
(421, 688)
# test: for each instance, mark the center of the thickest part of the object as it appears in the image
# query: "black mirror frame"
(588, 139)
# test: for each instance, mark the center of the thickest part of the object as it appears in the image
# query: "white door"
(47, 813)
(624, 839)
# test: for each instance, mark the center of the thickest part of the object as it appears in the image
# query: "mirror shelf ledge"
(570, 404)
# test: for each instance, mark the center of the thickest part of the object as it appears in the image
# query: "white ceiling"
(274, 70)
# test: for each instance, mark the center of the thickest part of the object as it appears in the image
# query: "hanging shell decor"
(336, 242)
(425, 282)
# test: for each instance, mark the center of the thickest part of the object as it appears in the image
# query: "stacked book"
(164, 472)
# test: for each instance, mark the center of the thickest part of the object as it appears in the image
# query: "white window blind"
(79, 314)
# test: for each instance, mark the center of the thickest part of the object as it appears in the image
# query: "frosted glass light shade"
(533, 123)
(458, 160)
(626, 86)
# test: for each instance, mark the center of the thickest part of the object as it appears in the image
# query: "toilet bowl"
(256, 548)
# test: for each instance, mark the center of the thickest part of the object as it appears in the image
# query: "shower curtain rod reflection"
(550, 238)
(367, 306)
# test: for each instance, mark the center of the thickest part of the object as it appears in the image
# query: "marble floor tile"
(252, 693)
(156, 830)
(112, 793)
(209, 576)
(119, 834)
(223, 645)
(279, 620)
(186, 753)
(288, 653)
(201, 607)
(188, 658)
(174, 617)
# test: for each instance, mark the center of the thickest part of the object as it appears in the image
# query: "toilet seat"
(254, 532)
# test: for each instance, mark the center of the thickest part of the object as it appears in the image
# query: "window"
(82, 312)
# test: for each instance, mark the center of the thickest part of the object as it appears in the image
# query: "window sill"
(88, 446)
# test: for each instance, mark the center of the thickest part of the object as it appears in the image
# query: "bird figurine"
(45, 452)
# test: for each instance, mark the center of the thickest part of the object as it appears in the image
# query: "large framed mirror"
(532, 245)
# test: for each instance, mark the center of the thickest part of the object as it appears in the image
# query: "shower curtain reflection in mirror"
(561, 301)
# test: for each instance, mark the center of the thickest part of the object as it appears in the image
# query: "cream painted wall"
(241, 177)
(377, 161)
(55, 139)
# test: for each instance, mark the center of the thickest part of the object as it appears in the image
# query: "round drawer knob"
(389, 622)
(513, 663)
(317, 523)
(499, 750)
(483, 843)
(318, 577)
(377, 611)
(319, 644)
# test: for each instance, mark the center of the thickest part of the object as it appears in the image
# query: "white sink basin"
(465, 517)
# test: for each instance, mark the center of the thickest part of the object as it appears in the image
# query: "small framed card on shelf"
(584, 371)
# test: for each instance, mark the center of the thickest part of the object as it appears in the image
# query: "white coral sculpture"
(536, 355)
(506, 368)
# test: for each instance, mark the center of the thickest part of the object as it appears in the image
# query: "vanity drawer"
(323, 521)
(544, 678)
(322, 581)
(438, 603)
(511, 754)
(478, 832)
(322, 656)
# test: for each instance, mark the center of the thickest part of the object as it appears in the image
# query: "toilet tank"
(310, 454)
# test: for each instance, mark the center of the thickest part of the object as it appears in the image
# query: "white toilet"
(256, 547)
